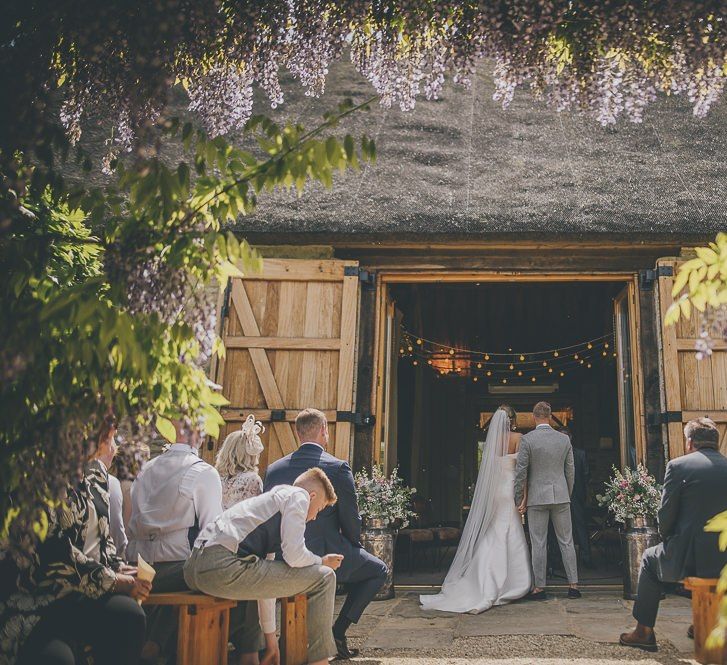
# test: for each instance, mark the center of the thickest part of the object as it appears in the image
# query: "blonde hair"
(542, 410)
(308, 423)
(314, 479)
(241, 449)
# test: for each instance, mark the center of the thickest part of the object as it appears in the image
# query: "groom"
(545, 462)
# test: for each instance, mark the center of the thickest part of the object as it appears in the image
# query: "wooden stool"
(293, 630)
(204, 624)
(705, 612)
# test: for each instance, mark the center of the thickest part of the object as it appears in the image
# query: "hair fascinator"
(251, 431)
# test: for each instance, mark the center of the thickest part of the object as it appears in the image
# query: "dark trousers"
(361, 585)
(650, 589)
(579, 517)
(113, 626)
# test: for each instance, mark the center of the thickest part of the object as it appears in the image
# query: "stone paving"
(558, 630)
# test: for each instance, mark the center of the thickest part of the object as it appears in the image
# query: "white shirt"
(313, 443)
(116, 517)
(542, 425)
(234, 525)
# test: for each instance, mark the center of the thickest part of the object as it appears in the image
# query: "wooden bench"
(204, 624)
(705, 612)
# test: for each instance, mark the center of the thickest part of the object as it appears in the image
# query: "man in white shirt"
(234, 557)
(173, 498)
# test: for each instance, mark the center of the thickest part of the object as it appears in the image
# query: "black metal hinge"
(649, 276)
(360, 419)
(366, 277)
(665, 417)
(277, 415)
(226, 299)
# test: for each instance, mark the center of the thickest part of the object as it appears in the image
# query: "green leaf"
(165, 427)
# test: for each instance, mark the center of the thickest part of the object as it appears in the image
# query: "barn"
(489, 256)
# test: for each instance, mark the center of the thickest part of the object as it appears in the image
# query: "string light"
(512, 366)
(479, 365)
(520, 373)
(533, 379)
(415, 363)
(420, 342)
(522, 357)
(555, 353)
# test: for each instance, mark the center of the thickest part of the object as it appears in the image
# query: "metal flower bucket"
(640, 534)
(378, 539)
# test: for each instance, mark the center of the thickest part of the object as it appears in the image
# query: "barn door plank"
(262, 366)
(346, 362)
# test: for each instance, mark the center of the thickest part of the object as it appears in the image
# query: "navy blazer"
(337, 529)
(695, 490)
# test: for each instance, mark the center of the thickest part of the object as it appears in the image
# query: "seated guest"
(695, 490)
(129, 461)
(234, 557)
(173, 498)
(338, 528)
(237, 463)
(76, 591)
(105, 456)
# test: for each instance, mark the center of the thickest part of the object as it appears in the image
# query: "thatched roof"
(462, 165)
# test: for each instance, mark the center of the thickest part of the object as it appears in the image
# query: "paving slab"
(396, 638)
(606, 627)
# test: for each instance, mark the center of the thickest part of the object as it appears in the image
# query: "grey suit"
(545, 459)
(695, 490)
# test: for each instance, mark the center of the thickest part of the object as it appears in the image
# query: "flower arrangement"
(633, 493)
(382, 497)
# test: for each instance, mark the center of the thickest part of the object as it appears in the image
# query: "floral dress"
(241, 486)
(59, 567)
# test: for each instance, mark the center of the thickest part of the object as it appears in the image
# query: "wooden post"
(705, 612)
(294, 630)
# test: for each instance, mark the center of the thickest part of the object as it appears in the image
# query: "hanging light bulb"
(487, 356)
(479, 365)
(415, 363)
(512, 366)
(582, 361)
(533, 379)
(545, 363)
(504, 380)
(550, 370)
(522, 357)
(562, 373)
(589, 365)
(576, 356)
(556, 354)
(520, 373)
(419, 342)
(429, 362)
(401, 350)
(410, 349)
(509, 348)
(605, 346)
(489, 373)
(614, 354)
(590, 346)
(603, 353)
(475, 379)
(451, 352)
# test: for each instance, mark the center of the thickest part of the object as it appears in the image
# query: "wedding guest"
(130, 459)
(76, 592)
(695, 490)
(234, 557)
(105, 453)
(237, 463)
(579, 500)
(339, 526)
(173, 498)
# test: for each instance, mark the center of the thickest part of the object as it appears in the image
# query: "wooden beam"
(240, 413)
(718, 416)
(447, 276)
(687, 344)
(283, 343)
(292, 271)
(346, 363)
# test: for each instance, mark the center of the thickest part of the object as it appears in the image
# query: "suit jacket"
(546, 459)
(337, 529)
(695, 490)
(582, 475)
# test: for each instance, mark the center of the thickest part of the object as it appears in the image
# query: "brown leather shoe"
(630, 640)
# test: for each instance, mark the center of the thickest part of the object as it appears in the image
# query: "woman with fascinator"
(237, 463)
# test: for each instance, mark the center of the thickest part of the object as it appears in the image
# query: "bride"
(492, 565)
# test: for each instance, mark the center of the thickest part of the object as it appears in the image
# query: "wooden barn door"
(290, 341)
(691, 388)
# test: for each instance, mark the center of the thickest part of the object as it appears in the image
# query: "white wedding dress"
(492, 564)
